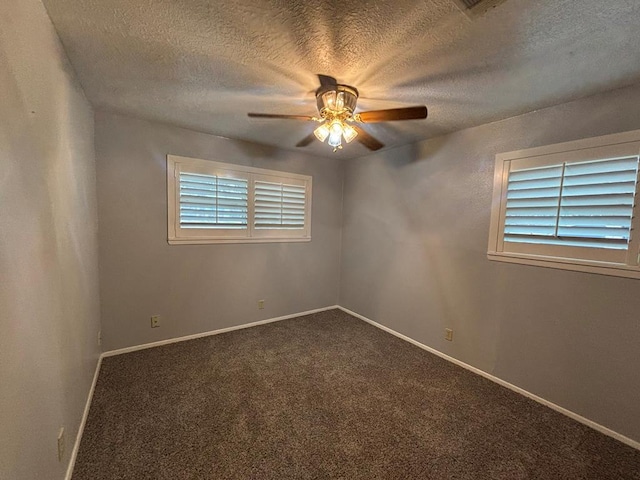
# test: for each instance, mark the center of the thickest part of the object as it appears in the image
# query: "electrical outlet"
(61, 444)
(260, 304)
(99, 337)
(448, 334)
(155, 321)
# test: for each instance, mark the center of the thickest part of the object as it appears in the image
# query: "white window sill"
(601, 268)
(206, 241)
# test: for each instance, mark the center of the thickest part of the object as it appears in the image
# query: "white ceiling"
(203, 64)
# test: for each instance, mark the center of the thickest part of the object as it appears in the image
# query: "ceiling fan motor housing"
(336, 100)
(338, 120)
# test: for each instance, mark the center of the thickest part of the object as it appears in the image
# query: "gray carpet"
(325, 396)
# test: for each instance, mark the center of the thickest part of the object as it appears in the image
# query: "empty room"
(319, 240)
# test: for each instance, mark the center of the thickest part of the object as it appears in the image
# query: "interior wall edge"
(340, 274)
(83, 421)
(579, 418)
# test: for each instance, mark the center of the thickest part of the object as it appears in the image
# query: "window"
(212, 202)
(570, 206)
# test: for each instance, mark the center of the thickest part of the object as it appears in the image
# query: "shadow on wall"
(414, 153)
(259, 152)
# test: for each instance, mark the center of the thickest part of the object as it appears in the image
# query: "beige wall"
(415, 233)
(198, 288)
(49, 308)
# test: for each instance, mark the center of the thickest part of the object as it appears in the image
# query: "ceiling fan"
(338, 120)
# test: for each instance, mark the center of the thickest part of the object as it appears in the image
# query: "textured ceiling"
(203, 64)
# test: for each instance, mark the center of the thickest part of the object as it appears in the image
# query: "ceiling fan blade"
(306, 140)
(408, 113)
(273, 115)
(367, 140)
(326, 80)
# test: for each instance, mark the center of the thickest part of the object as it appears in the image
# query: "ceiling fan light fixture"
(336, 108)
(335, 142)
(336, 128)
(349, 133)
(322, 132)
(335, 134)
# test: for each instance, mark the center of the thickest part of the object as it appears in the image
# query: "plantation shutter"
(213, 202)
(581, 204)
(279, 205)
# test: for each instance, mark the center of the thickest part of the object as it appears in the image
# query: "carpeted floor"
(325, 396)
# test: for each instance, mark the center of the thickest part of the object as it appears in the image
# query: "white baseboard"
(521, 391)
(83, 422)
(144, 346)
(76, 446)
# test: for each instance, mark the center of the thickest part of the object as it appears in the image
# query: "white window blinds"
(211, 201)
(278, 205)
(581, 204)
(571, 206)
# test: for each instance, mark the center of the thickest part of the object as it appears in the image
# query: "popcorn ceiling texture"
(203, 64)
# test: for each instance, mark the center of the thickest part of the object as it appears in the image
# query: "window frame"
(198, 236)
(582, 259)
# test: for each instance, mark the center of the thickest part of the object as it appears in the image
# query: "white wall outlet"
(260, 304)
(448, 334)
(61, 444)
(99, 337)
(155, 321)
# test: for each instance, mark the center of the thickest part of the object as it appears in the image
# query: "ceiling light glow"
(336, 128)
(336, 105)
